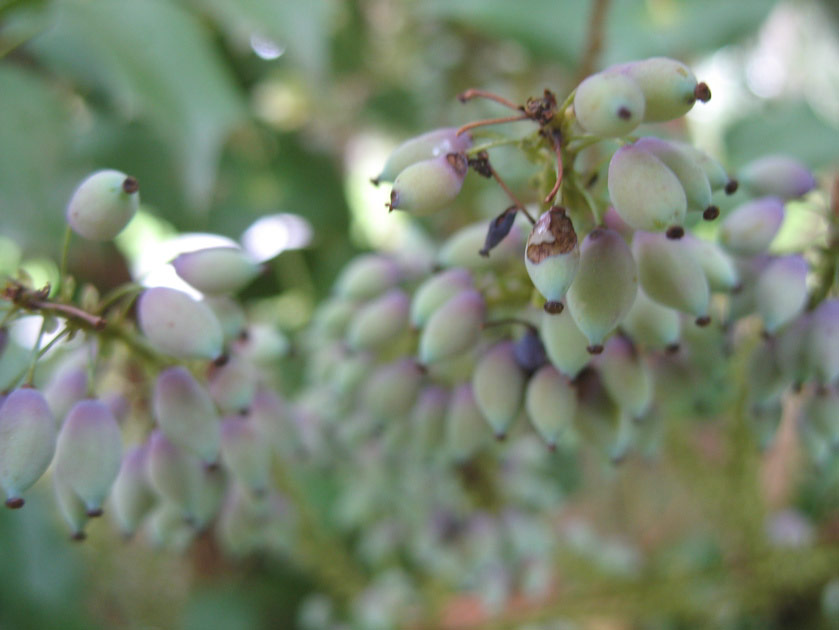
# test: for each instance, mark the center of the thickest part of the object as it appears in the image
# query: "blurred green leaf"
(152, 60)
(790, 128)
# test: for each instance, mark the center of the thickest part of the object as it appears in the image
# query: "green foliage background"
(171, 91)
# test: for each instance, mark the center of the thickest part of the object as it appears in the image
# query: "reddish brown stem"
(558, 183)
(95, 322)
(468, 95)
(491, 121)
(510, 194)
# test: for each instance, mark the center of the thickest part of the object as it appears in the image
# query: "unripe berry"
(778, 175)
(216, 270)
(626, 377)
(551, 404)
(428, 416)
(367, 276)
(72, 508)
(767, 379)
(131, 496)
(605, 286)
(822, 342)
(212, 485)
(178, 325)
(670, 89)
(453, 328)
(186, 414)
(379, 321)
(462, 249)
(27, 442)
(717, 176)
(750, 228)
(103, 204)
(720, 268)
(436, 291)
(465, 425)
(530, 351)
(670, 275)
(246, 453)
(552, 256)
(690, 174)
(332, 317)
(232, 385)
(229, 314)
(173, 473)
(609, 104)
(781, 291)
(652, 325)
(428, 186)
(65, 387)
(498, 385)
(89, 452)
(645, 192)
(392, 389)
(565, 345)
(432, 144)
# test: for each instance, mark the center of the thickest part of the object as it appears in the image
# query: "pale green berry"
(453, 328)
(229, 314)
(131, 497)
(430, 185)
(462, 248)
(212, 486)
(551, 404)
(777, 175)
(565, 345)
(174, 473)
(781, 291)
(652, 325)
(752, 226)
(65, 387)
(717, 176)
(429, 145)
(822, 342)
(626, 376)
(232, 385)
(271, 414)
(690, 174)
(605, 286)
(103, 204)
(498, 385)
(465, 425)
(436, 291)
(262, 344)
(671, 276)
(72, 508)
(552, 256)
(350, 372)
(332, 317)
(216, 270)
(185, 412)
(177, 325)
(392, 389)
(794, 348)
(719, 267)
(428, 416)
(27, 442)
(645, 192)
(89, 452)
(670, 89)
(380, 321)
(246, 453)
(367, 276)
(609, 105)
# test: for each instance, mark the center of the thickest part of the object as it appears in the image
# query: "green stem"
(65, 253)
(30, 374)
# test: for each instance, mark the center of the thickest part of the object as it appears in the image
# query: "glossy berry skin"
(551, 404)
(777, 175)
(216, 270)
(552, 256)
(89, 452)
(429, 145)
(178, 325)
(498, 385)
(645, 192)
(103, 204)
(687, 170)
(609, 105)
(430, 185)
(605, 285)
(669, 87)
(27, 442)
(185, 412)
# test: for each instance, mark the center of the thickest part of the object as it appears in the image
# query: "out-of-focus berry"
(232, 385)
(173, 473)
(65, 387)
(379, 321)
(103, 204)
(605, 286)
(131, 497)
(565, 345)
(453, 328)
(27, 442)
(750, 227)
(229, 313)
(89, 452)
(246, 453)
(652, 325)
(530, 351)
(392, 390)
(178, 325)
(465, 425)
(717, 176)
(777, 175)
(462, 249)
(822, 342)
(186, 414)
(72, 508)
(216, 270)
(781, 291)
(498, 385)
(367, 276)
(626, 376)
(719, 267)
(551, 404)
(436, 291)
